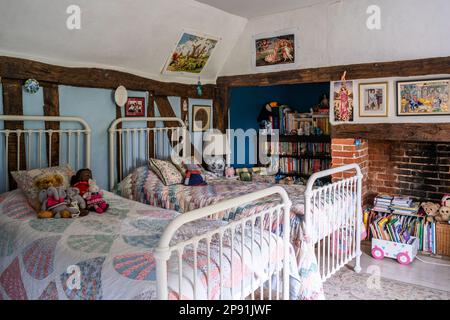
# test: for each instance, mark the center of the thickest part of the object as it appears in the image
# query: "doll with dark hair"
(81, 180)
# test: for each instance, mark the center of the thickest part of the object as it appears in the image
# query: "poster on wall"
(343, 94)
(423, 97)
(135, 107)
(191, 54)
(201, 118)
(276, 50)
(373, 99)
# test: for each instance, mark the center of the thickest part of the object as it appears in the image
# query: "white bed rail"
(130, 147)
(74, 144)
(232, 238)
(333, 219)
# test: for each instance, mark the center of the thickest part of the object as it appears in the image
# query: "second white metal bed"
(332, 219)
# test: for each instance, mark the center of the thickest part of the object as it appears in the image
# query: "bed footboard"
(333, 220)
(234, 260)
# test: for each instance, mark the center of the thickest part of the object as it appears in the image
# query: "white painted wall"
(135, 36)
(336, 33)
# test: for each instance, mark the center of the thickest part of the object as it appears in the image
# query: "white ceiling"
(133, 36)
(255, 8)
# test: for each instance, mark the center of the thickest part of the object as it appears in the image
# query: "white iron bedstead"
(332, 213)
(242, 229)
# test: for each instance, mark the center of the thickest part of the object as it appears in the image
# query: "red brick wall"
(344, 151)
(417, 169)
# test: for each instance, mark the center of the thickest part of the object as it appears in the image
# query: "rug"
(349, 285)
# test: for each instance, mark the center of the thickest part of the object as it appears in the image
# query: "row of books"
(398, 205)
(400, 229)
(302, 148)
(303, 166)
(288, 121)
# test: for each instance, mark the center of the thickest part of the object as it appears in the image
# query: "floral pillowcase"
(166, 172)
(25, 180)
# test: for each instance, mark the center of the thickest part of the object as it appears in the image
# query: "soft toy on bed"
(81, 180)
(94, 198)
(53, 197)
(76, 201)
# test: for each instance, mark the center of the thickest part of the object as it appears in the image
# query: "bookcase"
(303, 146)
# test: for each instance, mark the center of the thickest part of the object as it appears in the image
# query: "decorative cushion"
(25, 180)
(166, 172)
(184, 164)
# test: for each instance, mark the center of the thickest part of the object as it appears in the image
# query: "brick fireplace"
(398, 164)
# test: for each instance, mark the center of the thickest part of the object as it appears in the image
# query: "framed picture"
(275, 50)
(191, 54)
(201, 118)
(373, 99)
(135, 107)
(342, 103)
(423, 97)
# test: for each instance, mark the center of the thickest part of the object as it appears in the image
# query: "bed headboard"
(133, 141)
(29, 142)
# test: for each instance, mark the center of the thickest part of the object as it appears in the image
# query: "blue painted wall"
(247, 102)
(97, 107)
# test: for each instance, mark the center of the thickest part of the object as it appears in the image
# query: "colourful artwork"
(424, 97)
(275, 50)
(373, 99)
(343, 101)
(191, 54)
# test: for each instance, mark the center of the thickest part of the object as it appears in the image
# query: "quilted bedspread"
(144, 186)
(110, 255)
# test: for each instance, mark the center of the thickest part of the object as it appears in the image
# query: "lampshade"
(215, 144)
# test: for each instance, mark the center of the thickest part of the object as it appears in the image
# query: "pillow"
(25, 180)
(189, 163)
(166, 172)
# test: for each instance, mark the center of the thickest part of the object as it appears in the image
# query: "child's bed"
(328, 217)
(135, 251)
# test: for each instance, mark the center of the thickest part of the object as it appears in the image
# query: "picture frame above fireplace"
(423, 97)
(373, 99)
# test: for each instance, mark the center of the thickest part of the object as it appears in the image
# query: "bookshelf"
(303, 147)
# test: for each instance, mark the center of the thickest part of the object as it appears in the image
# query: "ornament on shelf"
(31, 86)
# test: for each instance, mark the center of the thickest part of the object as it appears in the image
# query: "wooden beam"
(406, 68)
(22, 69)
(12, 105)
(433, 132)
(151, 124)
(220, 108)
(51, 108)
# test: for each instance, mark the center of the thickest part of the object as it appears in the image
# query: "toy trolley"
(404, 253)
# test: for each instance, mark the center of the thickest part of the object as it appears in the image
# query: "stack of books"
(404, 205)
(383, 203)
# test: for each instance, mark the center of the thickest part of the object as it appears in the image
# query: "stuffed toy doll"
(94, 198)
(81, 180)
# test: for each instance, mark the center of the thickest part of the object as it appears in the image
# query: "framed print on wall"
(342, 96)
(275, 51)
(373, 99)
(423, 97)
(135, 107)
(201, 118)
(191, 54)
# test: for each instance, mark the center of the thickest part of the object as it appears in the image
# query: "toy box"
(403, 252)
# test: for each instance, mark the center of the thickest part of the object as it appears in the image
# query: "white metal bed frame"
(39, 139)
(222, 238)
(333, 213)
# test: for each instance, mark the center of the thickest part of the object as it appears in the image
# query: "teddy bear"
(74, 200)
(431, 209)
(94, 198)
(53, 197)
(444, 215)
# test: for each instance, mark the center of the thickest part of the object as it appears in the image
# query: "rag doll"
(94, 198)
(81, 180)
(53, 198)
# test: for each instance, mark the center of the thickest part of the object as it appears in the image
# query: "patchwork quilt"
(110, 255)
